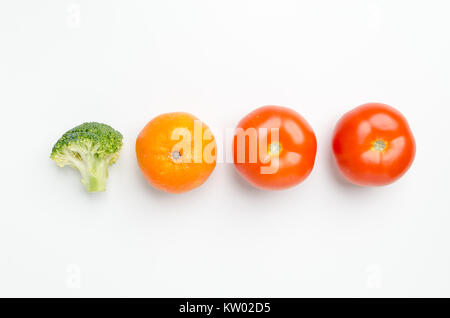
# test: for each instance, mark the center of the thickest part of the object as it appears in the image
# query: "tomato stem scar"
(275, 148)
(379, 145)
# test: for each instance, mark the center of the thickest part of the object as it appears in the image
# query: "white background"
(123, 62)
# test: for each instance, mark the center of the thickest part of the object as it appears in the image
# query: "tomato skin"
(373, 145)
(297, 143)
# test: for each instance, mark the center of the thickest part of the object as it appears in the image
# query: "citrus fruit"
(176, 152)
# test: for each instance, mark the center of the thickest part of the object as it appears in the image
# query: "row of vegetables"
(274, 148)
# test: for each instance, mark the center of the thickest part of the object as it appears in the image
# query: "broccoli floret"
(90, 148)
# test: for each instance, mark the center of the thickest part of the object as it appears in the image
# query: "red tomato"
(373, 145)
(274, 148)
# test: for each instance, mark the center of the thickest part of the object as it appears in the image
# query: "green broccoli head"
(90, 148)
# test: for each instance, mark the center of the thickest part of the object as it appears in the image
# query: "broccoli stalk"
(90, 148)
(94, 172)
